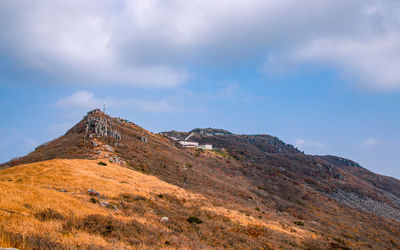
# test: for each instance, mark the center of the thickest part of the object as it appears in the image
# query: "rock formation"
(98, 126)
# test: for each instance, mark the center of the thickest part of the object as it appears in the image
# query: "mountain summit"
(116, 182)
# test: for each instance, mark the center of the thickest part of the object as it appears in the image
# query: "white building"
(189, 144)
(206, 146)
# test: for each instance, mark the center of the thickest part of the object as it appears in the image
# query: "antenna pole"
(104, 108)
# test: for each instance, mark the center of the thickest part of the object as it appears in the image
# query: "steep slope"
(256, 177)
(339, 178)
(366, 190)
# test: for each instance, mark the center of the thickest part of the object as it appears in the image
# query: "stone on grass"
(164, 219)
(93, 192)
(109, 148)
(104, 203)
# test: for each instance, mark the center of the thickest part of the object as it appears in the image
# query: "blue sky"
(322, 75)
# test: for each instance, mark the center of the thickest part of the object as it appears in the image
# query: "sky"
(323, 75)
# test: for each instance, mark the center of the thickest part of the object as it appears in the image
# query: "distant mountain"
(311, 201)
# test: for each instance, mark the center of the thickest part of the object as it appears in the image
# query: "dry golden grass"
(79, 175)
(245, 196)
(28, 189)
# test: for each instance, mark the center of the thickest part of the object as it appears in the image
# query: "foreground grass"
(46, 205)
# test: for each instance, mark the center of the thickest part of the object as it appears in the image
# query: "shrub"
(314, 244)
(94, 200)
(131, 197)
(102, 163)
(236, 157)
(27, 206)
(299, 223)
(21, 241)
(48, 214)
(193, 219)
(133, 232)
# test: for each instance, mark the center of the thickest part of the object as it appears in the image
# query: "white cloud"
(71, 42)
(302, 143)
(157, 43)
(373, 62)
(81, 99)
(84, 101)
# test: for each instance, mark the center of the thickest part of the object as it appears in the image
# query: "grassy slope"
(255, 200)
(28, 191)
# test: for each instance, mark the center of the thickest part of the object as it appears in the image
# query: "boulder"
(116, 159)
(164, 220)
(109, 148)
(104, 203)
(93, 192)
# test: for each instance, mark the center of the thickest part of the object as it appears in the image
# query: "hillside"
(47, 204)
(251, 191)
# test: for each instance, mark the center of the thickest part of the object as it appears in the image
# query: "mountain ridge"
(251, 173)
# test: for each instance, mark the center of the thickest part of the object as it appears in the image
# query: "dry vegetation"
(254, 192)
(46, 205)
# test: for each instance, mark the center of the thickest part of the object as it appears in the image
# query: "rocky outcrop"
(339, 161)
(108, 148)
(117, 160)
(366, 204)
(100, 126)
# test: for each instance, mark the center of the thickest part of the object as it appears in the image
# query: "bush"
(21, 241)
(193, 219)
(132, 232)
(94, 200)
(314, 244)
(131, 197)
(299, 223)
(102, 163)
(48, 214)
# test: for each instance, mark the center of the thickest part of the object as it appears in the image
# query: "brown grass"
(33, 214)
(48, 214)
(223, 192)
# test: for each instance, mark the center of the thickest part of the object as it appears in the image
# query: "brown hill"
(325, 202)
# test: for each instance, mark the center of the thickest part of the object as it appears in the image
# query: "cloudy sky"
(323, 75)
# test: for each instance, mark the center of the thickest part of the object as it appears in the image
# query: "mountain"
(108, 182)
